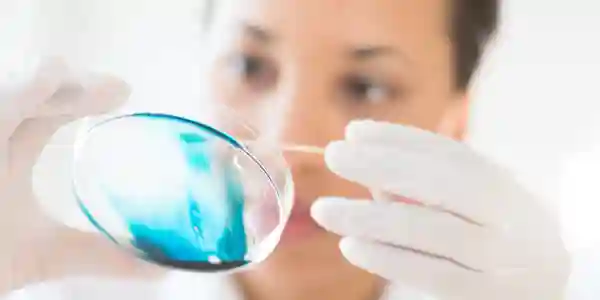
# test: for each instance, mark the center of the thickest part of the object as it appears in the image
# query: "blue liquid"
(203, 224)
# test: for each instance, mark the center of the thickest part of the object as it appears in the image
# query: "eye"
(365, 89)
(254, 71)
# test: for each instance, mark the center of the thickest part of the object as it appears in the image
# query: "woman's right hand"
(33, 247)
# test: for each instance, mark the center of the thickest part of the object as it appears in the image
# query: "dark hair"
(474, 22)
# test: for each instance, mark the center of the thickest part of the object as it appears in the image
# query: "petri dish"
(181, 193)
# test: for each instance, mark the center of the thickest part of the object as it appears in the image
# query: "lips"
(300, 224)
(262, 220)
(300, 215)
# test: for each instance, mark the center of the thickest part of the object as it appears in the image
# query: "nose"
(299, 114)
(304, 118)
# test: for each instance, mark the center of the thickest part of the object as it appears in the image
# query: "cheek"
(455, 121)
(429, 102)
(429, 117)
(225, 91)
(426, 111)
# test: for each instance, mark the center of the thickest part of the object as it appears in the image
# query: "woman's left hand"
(474, 233)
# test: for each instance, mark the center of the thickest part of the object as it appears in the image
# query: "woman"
(458, 227)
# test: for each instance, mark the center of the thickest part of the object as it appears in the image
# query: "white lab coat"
(584, 285)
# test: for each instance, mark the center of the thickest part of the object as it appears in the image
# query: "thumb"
(88, 95)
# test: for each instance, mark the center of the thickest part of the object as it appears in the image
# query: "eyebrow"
(372, 52)
(258, 33)
(263, 35)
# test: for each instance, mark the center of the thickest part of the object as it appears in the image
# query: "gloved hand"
(474, 234)
(34, 247)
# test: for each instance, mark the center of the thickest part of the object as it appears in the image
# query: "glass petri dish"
(181, 193)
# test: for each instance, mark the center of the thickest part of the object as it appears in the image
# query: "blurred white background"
(537, 106)
(537, 102)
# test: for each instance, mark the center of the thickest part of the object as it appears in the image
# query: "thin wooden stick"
(303, 148)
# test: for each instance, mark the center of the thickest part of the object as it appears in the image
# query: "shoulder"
(174, 286)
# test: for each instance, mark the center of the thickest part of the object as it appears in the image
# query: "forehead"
(348, 20)
(417, 27)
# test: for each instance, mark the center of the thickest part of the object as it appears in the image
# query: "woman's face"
(301, 70)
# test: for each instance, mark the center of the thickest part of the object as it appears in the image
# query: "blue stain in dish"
(211, 227)
(188, 231)
(198, 158)
(234, 243)
(218, 216)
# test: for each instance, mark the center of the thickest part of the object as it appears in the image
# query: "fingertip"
(356, 129)
(364, 164)
(117, 90)
(348, 245)
(49, 76)
(109, 87)
(52, 67)
(333, 154)
(370, 131)
(324, 209)
(104, 95)
(343, 156)
(354, 249)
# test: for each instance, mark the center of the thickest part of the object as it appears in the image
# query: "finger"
(446, 280)
(430, 180)
(437, 277)
(21, 101)
(101, 96)
(369, 131)
(89, 95)
(414, 139)
(32, 135)
(413, 227)
(462, 187)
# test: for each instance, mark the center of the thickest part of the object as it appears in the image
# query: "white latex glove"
(478, 235)
(32, 246)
